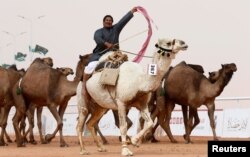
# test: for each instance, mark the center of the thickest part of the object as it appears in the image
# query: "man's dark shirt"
(110, 35)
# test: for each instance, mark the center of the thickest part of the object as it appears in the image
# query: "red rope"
(138, 58)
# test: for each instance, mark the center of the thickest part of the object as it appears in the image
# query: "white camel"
(132, 90)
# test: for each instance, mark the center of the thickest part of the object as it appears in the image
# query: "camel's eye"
(168, 43)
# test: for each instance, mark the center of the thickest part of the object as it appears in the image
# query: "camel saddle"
(110, 68)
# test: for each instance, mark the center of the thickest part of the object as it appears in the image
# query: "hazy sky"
(217, 31)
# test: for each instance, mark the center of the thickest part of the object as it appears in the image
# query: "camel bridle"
(164, 51)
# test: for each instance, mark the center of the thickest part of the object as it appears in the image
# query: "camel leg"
(149, 124)
(196, 119)
(190, 123)
(123, 127)
(16, 120)
(211, 109)
(39, 123)
(30, 115)
(97, 129)
(149, 135)
(4, 112)
(153, 139)
(117, 123)
(95, 117)
(83, 115)
(185, 119)
(155, 114)
(56, 115)
(20, 112)
(164, 120)
(22, 127)
(62, 109)
(7, 137)
(4, 117)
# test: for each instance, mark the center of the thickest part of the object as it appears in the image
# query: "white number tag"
(152, 69)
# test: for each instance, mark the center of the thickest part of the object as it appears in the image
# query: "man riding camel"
(106, 38)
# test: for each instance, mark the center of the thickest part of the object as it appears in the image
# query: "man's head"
(107, 21)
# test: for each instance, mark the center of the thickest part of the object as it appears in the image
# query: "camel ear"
(222, 65)
(209, 73)
(80, 56)
(159, 42)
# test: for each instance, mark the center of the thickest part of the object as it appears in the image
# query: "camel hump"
(182, 63)
(197, 67)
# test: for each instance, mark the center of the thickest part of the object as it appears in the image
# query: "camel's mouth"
(185, 47)
(235, 69)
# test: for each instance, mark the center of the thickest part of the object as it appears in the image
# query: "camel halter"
(164, 51)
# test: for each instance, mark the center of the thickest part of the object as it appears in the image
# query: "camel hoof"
(102, 149)
(134, 142)
(184, 136)
(84, 152)
(21, 145)
(48, 138)
(126, 152)
(216, 139)
(105, 142)
(3, 144)
(188, 142)
(44, 142)
(33, 142)
(9, 141)
(154, 140)
(173, 141)
(64, 145)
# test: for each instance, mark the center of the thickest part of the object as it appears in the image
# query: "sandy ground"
(164, 148)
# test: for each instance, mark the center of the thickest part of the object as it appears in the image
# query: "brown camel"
(159, 99)
(49, 87)
(157, 104)
(8, 78)
(31, 111)
(185, 86)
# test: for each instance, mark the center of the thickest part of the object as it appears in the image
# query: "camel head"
(65, 71)
(83, 61)
(48, 61)
(229, 68)
(170, 47)
(213, 76)
(227, 71)
(21, 72)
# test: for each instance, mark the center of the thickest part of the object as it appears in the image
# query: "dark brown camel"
(8, 78)
(161, 100)
(157, 104)
(186, 86)
(49, 87)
